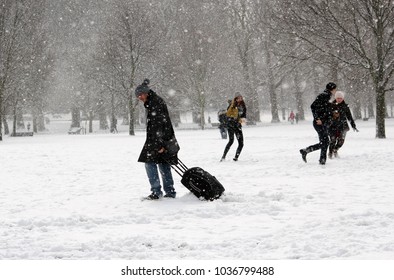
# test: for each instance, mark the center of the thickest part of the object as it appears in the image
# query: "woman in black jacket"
(159, 131)
(338, 126)
(236, 114)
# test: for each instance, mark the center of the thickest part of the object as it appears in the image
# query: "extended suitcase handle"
(179, 168)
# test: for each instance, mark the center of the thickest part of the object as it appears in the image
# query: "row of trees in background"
(25, 62)
(88, 56)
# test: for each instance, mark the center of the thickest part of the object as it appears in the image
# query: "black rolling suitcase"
(199, 182)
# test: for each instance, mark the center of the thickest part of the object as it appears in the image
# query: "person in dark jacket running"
(236, 114)
(338, 126)
(321, 117)
(159, 129)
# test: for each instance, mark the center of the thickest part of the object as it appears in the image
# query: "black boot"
(303, 153)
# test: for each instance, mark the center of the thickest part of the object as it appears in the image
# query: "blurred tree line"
(87, 57)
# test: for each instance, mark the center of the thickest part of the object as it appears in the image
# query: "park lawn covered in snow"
(78, 197)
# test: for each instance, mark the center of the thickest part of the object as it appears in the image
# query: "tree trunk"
(14, 121)
(271, 85)
(34, 123)
(6, 128)
(40, 122)
(75, 117)
(283, 103)
(91, 121)
(202, 117)
(298, 97)
(102, 114)
(252, 99)
(380, 113)
(1, 125)
(131, 115)
(114, 121)
(1, 114)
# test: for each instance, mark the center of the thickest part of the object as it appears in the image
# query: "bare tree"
(40, 65)
(132, 37)
(17, 27)
(198, 39)
(196, 61)
(11, 23)
(243, 24)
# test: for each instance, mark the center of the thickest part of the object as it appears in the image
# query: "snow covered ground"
(78, 197)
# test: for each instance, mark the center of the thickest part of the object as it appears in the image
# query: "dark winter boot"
(236, 156)
(170, 195)
(303, 153)
(153, 196)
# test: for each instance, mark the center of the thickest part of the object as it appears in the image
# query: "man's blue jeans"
(152, 171)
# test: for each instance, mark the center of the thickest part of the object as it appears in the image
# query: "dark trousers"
(337, 140)
(240, 137)
(324, 141)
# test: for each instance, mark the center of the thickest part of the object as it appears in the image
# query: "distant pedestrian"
(291, 117)
(321, 111)
(222, 118)
(236, 115)
(28, 126)
(297, 117)
(338, 126)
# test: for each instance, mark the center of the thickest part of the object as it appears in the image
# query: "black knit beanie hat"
(331, 86)
(142, 88)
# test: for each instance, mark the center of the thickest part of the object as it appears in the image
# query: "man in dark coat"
(321, 116)
(159, 131)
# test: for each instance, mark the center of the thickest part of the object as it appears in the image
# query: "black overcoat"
(158, 130)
